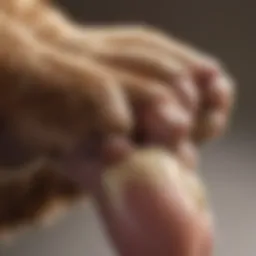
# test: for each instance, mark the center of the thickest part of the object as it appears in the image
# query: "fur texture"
(60, 81)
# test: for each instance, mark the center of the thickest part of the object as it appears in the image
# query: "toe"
(160, 117)
(217, 99)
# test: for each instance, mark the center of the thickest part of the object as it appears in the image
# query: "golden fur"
(55, 76)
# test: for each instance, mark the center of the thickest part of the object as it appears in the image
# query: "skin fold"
(81, 103)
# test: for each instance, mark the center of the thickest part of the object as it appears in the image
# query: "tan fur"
(27, 198)
(58, 79)
(35, 198)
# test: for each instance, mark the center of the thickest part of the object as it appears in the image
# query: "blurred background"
(225, 28)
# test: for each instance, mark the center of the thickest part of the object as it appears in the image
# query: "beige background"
(226, 29)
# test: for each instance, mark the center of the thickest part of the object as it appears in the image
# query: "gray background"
(226, 28)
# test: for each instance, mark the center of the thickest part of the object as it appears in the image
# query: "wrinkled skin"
(90, 97)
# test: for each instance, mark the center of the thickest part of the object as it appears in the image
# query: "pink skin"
(154, 219)
(155, 224)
